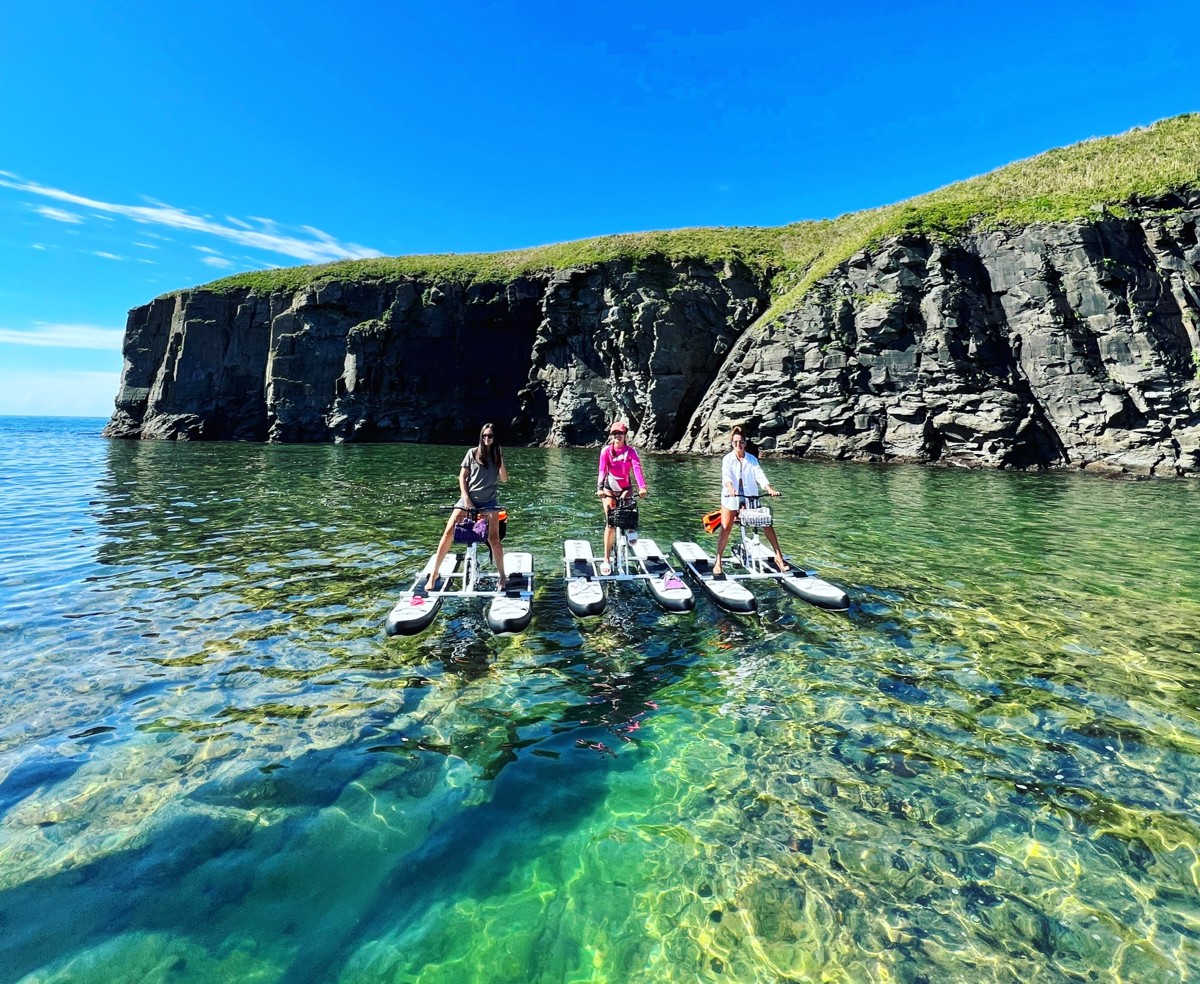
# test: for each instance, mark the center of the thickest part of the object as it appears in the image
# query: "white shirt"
(745, 470)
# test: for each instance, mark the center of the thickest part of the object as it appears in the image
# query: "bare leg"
(770, 531)
(723, 537)
(443, 548)
(494, 543)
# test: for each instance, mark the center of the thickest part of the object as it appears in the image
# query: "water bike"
(757, 563)
(459, 576)
(637, 559)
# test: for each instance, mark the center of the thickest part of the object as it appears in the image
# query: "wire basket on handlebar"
(623, 517)
(471, 530)
(754, 516)
(475, 530)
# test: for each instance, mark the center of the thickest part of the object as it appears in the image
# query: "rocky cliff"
(1052, 345)
(1059, 344)
(552, 357)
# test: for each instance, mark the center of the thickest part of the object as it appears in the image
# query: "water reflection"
(212, 760)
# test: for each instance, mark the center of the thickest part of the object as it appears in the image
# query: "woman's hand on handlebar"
(642, 492)
(774, 492)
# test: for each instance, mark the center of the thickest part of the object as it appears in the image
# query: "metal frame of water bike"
(755, 566)
(621, 571)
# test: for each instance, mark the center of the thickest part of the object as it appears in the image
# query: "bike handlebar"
(474, 510)
(621, 496)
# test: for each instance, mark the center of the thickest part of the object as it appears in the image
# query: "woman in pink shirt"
(619, 463)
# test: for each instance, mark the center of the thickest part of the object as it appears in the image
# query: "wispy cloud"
(314, 247)
(64, 336)
(214, 258)
(58, 214)
(107, 256)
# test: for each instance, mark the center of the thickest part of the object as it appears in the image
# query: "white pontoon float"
(757, 563)
(510, 610)
(637, 559)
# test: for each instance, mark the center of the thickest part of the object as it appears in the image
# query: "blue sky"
(148, 147)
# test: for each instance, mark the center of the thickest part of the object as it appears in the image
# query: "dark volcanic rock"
(1059, 345)
(1072, 344)
(552, 358)
(640, 343)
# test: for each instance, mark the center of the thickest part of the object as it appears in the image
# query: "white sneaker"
(605, 568)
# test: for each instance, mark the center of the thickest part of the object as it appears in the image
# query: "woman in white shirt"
(742, 478)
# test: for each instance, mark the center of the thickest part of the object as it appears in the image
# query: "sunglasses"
(488, 437)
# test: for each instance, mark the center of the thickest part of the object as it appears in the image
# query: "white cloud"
(205, 249)
(65, 336)
(146, 245)
(40, 393)
(39, 246)
(217, 261)
(59, 215)
(107, 256)
(319, 247)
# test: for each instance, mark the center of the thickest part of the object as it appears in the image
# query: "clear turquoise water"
(214, 765)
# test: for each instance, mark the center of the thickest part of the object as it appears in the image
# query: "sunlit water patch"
(215, 766)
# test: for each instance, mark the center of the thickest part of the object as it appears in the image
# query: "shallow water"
(215, 766)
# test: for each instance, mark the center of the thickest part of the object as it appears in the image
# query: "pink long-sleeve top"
(617, 464)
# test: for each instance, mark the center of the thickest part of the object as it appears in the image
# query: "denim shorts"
(490, 504)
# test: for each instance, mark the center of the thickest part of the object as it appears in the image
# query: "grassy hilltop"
(1058, 185)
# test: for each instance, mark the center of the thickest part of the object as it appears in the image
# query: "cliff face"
(641, 344)
(551, 358)
(1072, 344)
(1054, 345)
(340, 361)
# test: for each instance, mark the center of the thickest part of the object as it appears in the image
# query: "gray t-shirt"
(481, 478)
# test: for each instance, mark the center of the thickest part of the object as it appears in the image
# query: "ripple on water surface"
(214, 766)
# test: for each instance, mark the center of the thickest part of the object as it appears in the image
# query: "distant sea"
(214, 765)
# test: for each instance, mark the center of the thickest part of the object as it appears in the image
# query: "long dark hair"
(489, 455)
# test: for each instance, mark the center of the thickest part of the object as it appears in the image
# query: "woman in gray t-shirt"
(481, 469)
(478, 475)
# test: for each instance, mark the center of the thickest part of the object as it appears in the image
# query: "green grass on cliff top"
(1056, 186)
